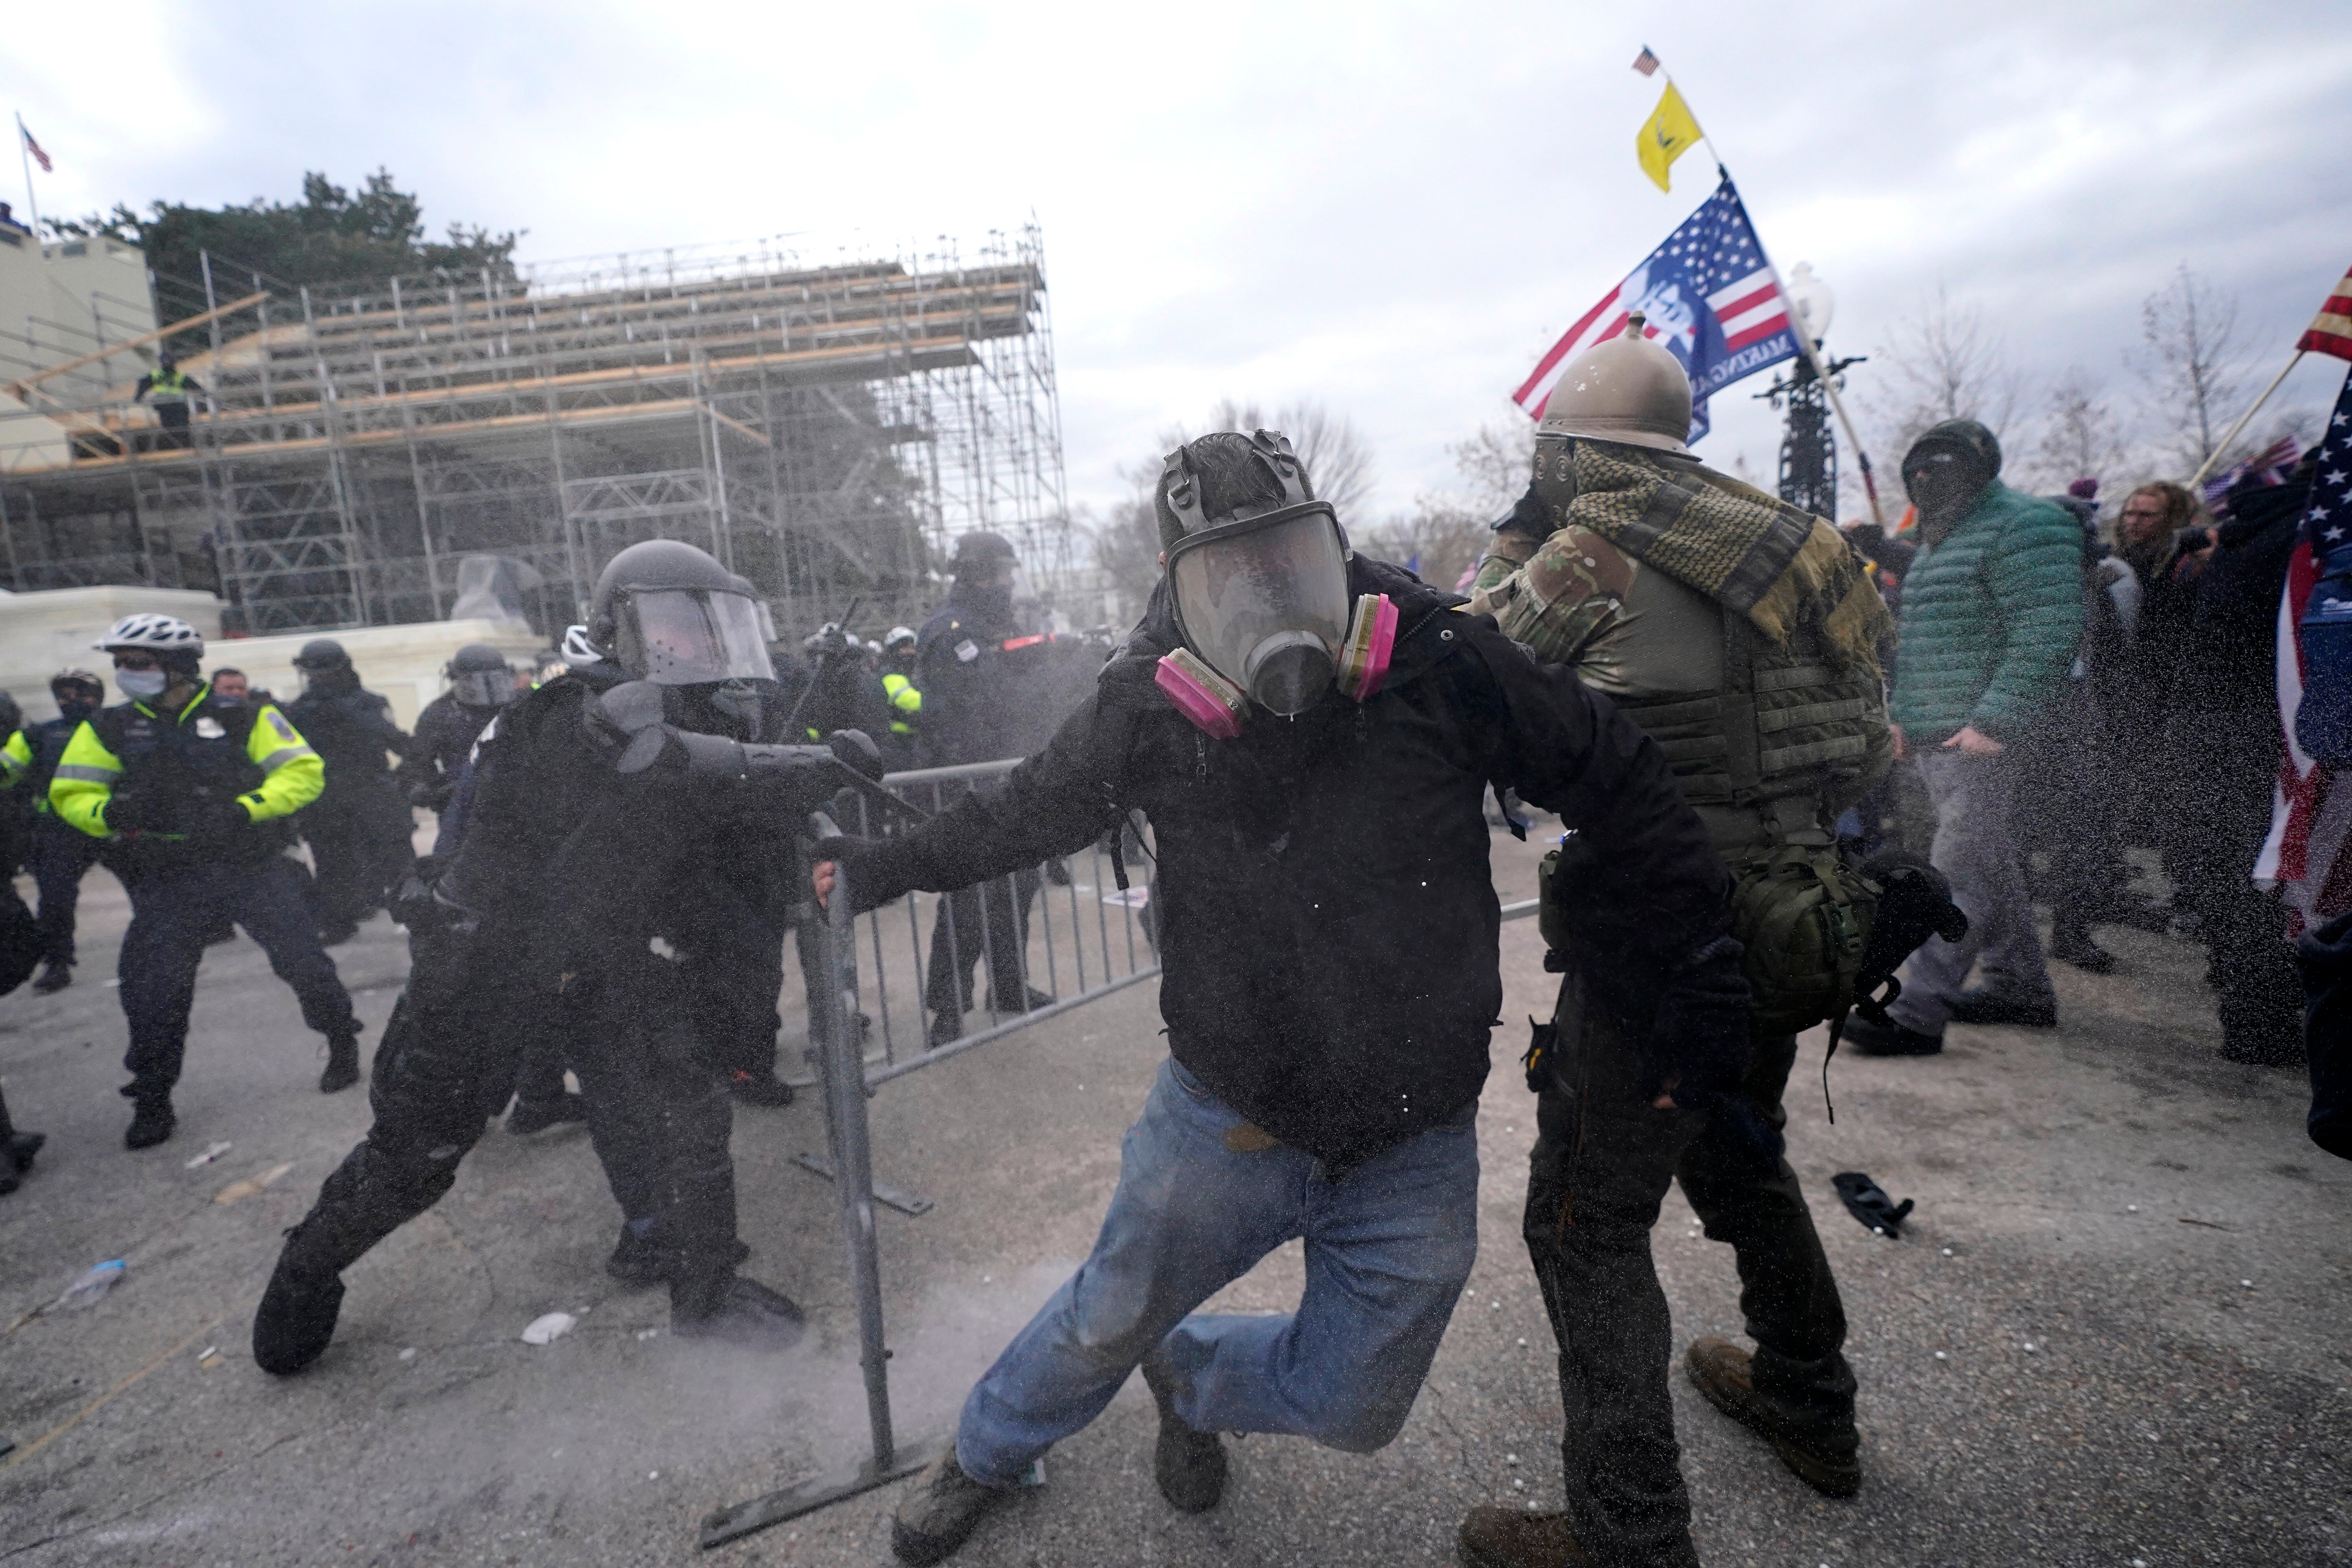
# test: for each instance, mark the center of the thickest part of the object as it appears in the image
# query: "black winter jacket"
(446, 733)
(1327, 917)
(967, 704)
(2231, 653)
(352, 732)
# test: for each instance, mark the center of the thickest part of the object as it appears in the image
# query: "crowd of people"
(1806, 776)
(2088, 716)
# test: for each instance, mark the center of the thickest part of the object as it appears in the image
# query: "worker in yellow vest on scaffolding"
(168, 390)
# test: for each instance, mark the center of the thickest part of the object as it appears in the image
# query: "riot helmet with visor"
(668, 613)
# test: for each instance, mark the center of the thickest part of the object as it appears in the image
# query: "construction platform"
(826, 430)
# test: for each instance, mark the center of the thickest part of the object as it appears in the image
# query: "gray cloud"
(1393, 210)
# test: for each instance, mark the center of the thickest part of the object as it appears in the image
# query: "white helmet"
(156, 634)
(899, 637)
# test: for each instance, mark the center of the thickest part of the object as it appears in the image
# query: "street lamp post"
(1808, 444)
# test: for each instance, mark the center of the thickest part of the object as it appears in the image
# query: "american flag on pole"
(34, 147)
(2311, 818)
(1709, 295)
(2331, 332)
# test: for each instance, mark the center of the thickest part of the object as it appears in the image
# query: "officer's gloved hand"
(857, 748)
(129, 811)
(225, 818)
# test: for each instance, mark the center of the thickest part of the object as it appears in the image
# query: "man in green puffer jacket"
(1992, 612)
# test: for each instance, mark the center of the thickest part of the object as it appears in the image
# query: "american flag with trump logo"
(1708, 295)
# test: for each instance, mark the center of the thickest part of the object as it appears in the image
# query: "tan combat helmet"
(1628, 389)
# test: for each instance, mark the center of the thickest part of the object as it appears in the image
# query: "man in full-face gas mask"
(592, 869)
(1311, 735)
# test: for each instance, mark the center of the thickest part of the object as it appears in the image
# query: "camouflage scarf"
(1757, 556)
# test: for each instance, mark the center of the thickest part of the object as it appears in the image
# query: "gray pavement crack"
(1461, 1443)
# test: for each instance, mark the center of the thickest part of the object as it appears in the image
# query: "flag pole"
(2215, 455)
(1805, 344)
(25, 158)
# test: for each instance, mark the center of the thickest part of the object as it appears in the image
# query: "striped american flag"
(1708, 295)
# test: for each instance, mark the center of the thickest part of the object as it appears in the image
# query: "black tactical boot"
(530, 1116)
(1889, 1039)
(1725, 1374)
(2073, 945)
(151, 1118)
(758, 1088)
(1518, 1537)
(1985, 1006)
(56, 974)
(1189, 1465)
(636, 1260)
(297, 1316)
(734, 1310)
(17, 1150)
(342, 1063)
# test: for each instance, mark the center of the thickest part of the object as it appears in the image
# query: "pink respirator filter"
(1215, 704)
(1371, 637)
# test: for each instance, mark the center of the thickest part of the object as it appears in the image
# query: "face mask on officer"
(1260, 591)
(77, 704)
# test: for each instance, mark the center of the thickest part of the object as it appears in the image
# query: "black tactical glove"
(129, 811)
(856, 749)
(1699, 1048)
(1868, 1203)
(223, 818)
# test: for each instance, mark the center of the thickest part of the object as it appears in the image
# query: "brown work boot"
(939, 1511)
(1722, 1371)
(1514, 1538)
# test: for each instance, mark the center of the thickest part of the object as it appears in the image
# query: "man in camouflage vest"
(1741, 633)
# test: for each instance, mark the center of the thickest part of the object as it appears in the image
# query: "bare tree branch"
(2194, 364)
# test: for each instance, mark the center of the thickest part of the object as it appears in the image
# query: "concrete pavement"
(2114, 1330)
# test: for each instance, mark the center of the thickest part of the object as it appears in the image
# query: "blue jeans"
(1388, 1247)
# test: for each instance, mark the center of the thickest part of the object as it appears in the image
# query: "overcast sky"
(1392, 209)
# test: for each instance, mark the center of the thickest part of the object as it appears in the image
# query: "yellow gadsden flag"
(1669, 133)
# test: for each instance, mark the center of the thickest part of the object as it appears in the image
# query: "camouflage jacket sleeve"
(1559, 597)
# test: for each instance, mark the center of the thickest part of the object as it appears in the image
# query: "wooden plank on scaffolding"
(18, 388)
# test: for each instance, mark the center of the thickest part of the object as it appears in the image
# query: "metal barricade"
(866, 1025)
(929, 966)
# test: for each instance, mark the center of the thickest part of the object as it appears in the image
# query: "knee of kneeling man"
(1364, 1420)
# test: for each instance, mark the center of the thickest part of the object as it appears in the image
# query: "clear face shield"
(483, 688)
(693, 637)
(1263, 600)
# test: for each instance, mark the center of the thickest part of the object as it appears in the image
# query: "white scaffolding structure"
(825, 430)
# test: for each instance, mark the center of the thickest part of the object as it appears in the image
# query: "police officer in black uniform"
(58, 857)
(358, 829)
(968, 715)
(479, 685)
(589, 878)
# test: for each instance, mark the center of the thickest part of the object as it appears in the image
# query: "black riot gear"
(479, 676)
(668, 613)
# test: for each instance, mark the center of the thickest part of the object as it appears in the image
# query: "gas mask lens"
(692, 636)
(1266, 606)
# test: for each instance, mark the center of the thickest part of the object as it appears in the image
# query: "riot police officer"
(1763, 684)
(479, 685)
(58, 857)
(189, 795)
(969, 716)
(359, 827)
(589, 881)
